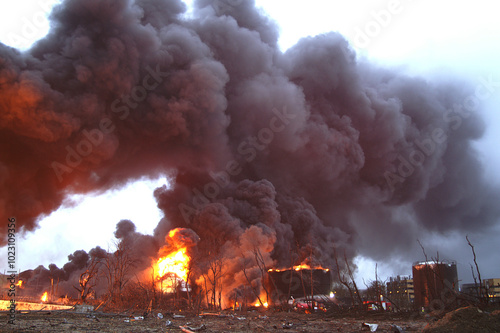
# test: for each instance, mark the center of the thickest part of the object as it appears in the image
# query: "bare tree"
(261, 263)
(258, 259)
(189, 277)
(118, 266)
(379, 287)
(149, 288)
(375, 290)
(214, 276)
(212, 271)
(423, 250)
(483, 296)
(347, 279)
(249, 280)
(88, 279)
(351, 277)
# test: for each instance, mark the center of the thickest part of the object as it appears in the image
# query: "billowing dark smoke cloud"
(295, 153)
(143, 247)
(61, 280)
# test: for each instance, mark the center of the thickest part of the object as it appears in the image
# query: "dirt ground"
(467, 320)
(253, 321)
(461, 320)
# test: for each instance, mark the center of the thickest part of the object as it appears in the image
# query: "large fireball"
(172, 268)
(175, 263)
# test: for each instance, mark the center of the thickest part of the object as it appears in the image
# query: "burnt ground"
(252, 321)
(461, 320)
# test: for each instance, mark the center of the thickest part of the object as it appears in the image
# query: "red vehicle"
(375, 306)
(308, 305)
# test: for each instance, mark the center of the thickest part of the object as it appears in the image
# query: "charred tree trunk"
(483, 295)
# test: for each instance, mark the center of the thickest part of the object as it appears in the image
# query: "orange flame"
(299, 268)
(175, 263)
(44, 297)
(20, 283)
(168, 270)
(257, 304)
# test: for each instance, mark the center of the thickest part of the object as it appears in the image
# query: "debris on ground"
(189, 329)
(225, 321)
(84, 308)
(371, 327)
(397, 329)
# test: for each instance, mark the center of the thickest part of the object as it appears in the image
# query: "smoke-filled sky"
(366, 138)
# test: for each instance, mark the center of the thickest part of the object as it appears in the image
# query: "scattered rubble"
(189, 329)
(83, 308)
(178, 316)
(371, 327)
(397, 329)
(252, 321)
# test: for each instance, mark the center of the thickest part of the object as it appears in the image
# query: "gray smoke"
(294, 153)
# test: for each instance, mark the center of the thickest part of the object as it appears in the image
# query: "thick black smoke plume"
(294, 153)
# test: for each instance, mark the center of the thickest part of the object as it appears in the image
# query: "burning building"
(171, 269)
(300, 281)
(433, 281)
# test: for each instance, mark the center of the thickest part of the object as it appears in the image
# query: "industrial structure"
(432, 280)
(301, 282)
(400, 292)
(490, 288)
